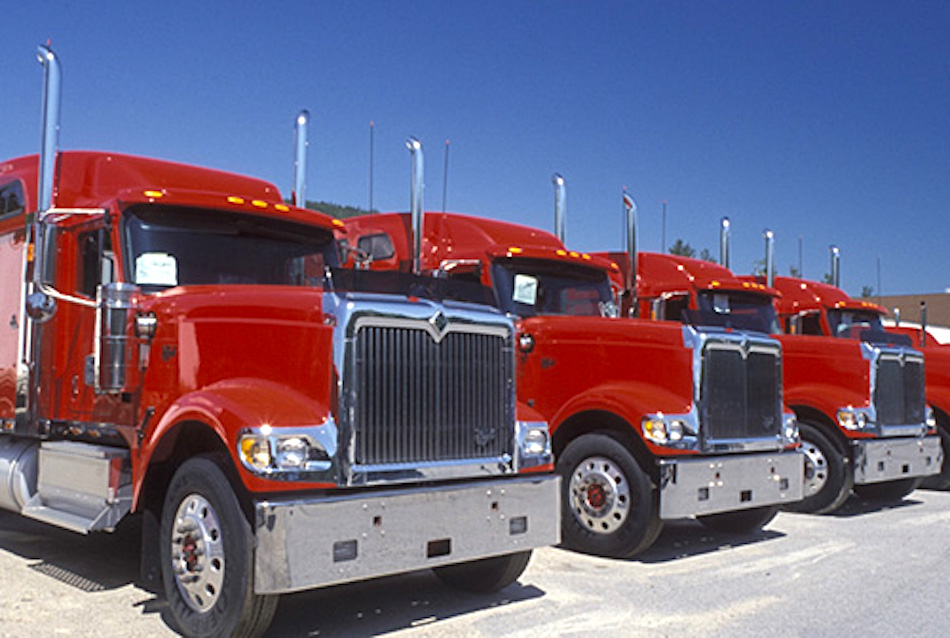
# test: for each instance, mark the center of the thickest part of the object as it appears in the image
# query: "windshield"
(531, 287)
(402, 283)
(738, 310)
(170, 246)
(850, 324)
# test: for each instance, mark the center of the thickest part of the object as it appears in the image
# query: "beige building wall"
(938, 307)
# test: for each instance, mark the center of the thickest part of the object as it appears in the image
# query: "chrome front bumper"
(877, 460)
(302, 544)
(707, 485)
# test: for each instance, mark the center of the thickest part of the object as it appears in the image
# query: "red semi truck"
(181, 344)
(937, 376)
(650, 421)
(859, 404)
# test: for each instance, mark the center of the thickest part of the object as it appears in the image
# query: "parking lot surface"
(868, 570)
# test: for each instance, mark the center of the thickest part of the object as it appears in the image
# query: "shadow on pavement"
(688, 537)
(384, 605)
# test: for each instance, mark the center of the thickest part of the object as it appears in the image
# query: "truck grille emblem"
(439, 324)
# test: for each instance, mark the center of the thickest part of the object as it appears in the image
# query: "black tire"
(941, 481)
(608, 503)
(485, 575)
(741, 521)
(888, 491)
(828, 477)
(206, 537)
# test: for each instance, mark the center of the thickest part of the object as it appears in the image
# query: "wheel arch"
(610, 424)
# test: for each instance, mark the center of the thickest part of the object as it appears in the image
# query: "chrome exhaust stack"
(769, 257)
(835, 266)
(300, 158)
(630, 238)
(724, 242)
(415, 196)
(52, 94)
(560, 206)
(923, 323)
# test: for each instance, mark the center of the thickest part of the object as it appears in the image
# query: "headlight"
(930, 418)
(255, 452)
(534, 444)
(854, 419)
(292, 453)
(672, 430)
(278, 452)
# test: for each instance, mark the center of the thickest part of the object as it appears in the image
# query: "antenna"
(445, 175)
(372, 128)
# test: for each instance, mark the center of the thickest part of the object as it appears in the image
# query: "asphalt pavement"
(867, 570)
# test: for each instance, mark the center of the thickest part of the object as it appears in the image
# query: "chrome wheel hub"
(600, 495)
(198, 553)
(816, 468)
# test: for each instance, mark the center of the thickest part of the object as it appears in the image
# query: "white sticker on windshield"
(526, 289)
(157, 269)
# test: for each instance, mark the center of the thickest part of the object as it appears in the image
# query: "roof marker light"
(560, 253)
(154, 194)
(585, 256)
(574, 254)
(236, 200)
(515, 250)
(284, 208)
(258, 203)
(338, 223)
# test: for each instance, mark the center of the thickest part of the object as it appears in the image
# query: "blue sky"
(823, 120)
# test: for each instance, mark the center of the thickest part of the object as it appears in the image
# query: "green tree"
(867, 292)
(682, 249)
(340, 211)
(706, 255)
(828, 279)
(758, 268)
(793, 272)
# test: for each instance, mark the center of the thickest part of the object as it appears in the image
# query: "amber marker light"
(282, 208)
(258, 203)
(338, 223)
(236, 200)
(154, 194)
(515, 250)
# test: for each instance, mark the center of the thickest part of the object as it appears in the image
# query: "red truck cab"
(860, 404)
(182, 344)
(650, 421)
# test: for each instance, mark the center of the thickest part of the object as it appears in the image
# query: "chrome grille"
(420, 401)
(899, 394)
(740, 395)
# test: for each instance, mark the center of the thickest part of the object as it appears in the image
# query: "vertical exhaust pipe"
(631, 240)
(560, 205)
(300, 158)
(923, 323)
(724, 242)
(769, 257)
(415, 195)
(835, 266)
(52, 91)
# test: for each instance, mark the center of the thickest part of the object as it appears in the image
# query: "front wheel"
(207, 556)
(888, 491)
(828, 478)
(485, 575)
(739, 522)
(608, 503)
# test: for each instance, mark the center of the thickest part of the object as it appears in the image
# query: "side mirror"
(40, 307)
